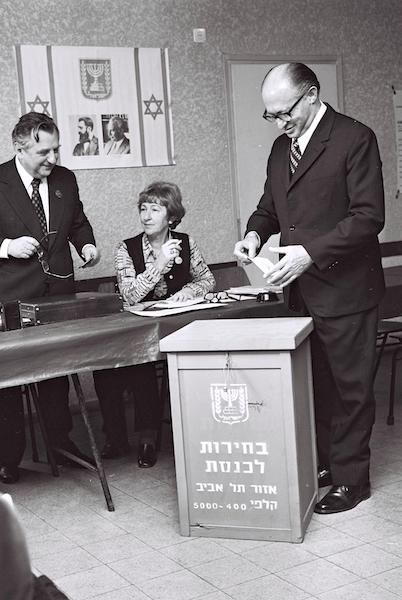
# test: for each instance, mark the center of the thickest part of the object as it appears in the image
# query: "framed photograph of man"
(84, 131)
(116, 134)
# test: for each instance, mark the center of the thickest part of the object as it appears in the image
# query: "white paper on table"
(177, 304)
(166, 312)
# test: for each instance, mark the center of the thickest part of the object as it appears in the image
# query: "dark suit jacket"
(24, 278)
(334, 207)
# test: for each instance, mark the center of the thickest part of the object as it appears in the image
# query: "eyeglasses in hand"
(42, 254)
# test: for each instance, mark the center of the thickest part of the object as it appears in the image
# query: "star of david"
(38, 102)
(157, 103)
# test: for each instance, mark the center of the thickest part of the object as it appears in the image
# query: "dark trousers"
(110, 385)
(53, 402)
(343, 356)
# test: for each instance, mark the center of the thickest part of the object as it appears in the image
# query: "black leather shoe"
(342, 497)
(146, 455)
(9, 474)
(324, 477)
(111, 450)
(65, 461)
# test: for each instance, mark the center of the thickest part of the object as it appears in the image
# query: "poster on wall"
(398, 129)
(112, 105)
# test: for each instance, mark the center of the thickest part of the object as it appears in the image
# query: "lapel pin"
(58, 194)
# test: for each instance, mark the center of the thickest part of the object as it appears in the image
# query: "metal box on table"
(243, 426)
(53, 309)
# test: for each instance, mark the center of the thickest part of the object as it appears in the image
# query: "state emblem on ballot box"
(229, 402)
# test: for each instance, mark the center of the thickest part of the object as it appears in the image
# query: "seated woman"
(153, 265)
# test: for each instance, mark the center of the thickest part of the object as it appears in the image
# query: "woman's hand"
(168, 252)
(181, 296)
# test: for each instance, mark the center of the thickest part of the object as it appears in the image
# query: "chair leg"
(52, 461)
(94, 447)
(380, 352)
(390, 418)
(164, 395)
(34, 446)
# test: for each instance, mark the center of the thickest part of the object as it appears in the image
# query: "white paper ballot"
(263, 263)
(177, 304)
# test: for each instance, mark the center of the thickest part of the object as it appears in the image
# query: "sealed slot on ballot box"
(243, 425)
(53, 309)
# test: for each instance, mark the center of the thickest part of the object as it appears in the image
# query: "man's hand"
(246, 249)
(291, 266)
(90, 254)
(23, 247)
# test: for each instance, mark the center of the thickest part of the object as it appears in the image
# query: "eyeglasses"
(283, 116)
(42, 254)
(215, 297)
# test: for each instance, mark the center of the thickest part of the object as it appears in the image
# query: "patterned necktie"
(38, 206)
(295, 155)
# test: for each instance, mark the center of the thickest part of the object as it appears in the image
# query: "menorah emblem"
(96, 78)
(229, 402)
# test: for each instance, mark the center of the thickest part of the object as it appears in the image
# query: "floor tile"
(369, 528)
(117, 548)
(163, 497)
(392, 544)
(277, 557)
(317, 576)
(228, 571)
(65, 563)
(215, 596)
(195, 552)
(360, 590)
(366, 560)
(269, 587)
(328, 540)
(128, 593)
(181, 585)
(145, 566)
(390, 580)
(50, 543)
(91, 583)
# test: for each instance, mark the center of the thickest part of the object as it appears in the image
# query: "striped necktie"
(38, 206)
(295, 155)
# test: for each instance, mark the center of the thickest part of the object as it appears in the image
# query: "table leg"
(94, 447)
(34, 446)
(50, 454)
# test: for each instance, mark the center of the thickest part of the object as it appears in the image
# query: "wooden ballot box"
(243, 426)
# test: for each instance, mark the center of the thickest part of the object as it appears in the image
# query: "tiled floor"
(136, 553)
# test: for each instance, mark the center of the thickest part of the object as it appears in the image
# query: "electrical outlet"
(199, 35)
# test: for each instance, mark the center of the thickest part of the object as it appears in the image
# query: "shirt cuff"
(4, 248)
(87, 246)
(256, 235)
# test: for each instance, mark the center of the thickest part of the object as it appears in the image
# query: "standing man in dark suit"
(324, 194)
(40, 213)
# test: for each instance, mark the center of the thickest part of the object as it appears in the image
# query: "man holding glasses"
(40, 213)
(324, 195)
